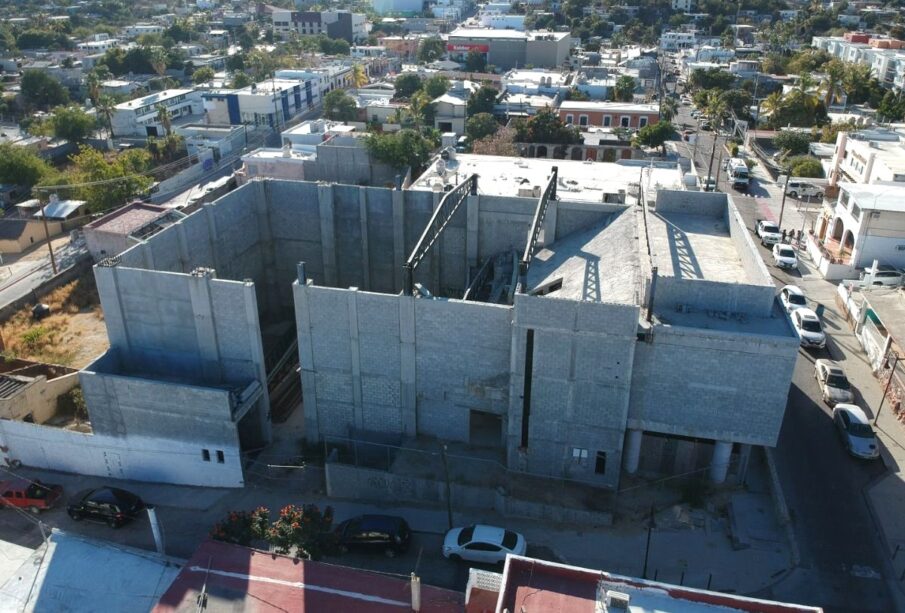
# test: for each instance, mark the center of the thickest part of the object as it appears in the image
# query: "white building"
(269, 103)
(870, 156)
(140, 29)
(327, 77)
(382, 7)
(538, 82)
(139, 117)
(502, 21)
(99, 46)
(686, 6)
(675, 40)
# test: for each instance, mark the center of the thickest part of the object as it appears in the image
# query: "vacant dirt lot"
(73, 334)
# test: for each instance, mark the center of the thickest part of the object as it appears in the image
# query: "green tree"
(655, 135)
(334, 46)
(158, 59)
(402, 149)
(546, 127)
(110, 181)
(205, 74)
(480, 126)
(240, 80)
(106, 106)
(804, 166)
(163, 116)
(431, 50)
(435, 86)
(711, 78)
(624, 90)
(340, 106)
(407, 84)
(475, 61)
(792, 142)
(72, 123)
(21, 166)
(41, 90)
(577, 95)
(892, 107)
(501, 143)
(482, 101)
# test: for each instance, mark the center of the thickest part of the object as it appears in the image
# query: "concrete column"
(257, 351)
(407, 373)
(306, 356)
(365, 254)
(549, 233)
(355, 350)
(472, 204)
(631, 453)
(328, 232)
(107, 281)
(399, 253)
(205, 330)
(183, 247)
(212, 235)
(268, 257)
(719, 465)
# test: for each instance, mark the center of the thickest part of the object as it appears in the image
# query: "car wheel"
(34, 510)
(455, 557)
(390, 552)
(112, 523)
(794, 194)
(75, 515)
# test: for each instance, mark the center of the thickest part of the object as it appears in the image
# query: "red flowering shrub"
(302, 530)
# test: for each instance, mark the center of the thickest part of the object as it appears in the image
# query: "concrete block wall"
(712, 384)
(703, 295)
(743, 241)
(575, 216)
(712, 204)
(583, 355)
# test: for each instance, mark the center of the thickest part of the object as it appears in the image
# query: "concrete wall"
(38, 399)
(134, 458)
(712, 204)
(703, 295)
(712, 384)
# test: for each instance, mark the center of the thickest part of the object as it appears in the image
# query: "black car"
(385, 533)
(110, 505)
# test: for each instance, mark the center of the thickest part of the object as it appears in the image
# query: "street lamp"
(892, 373)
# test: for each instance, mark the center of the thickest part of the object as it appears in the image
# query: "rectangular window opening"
(600, 463)
(206, 455)
(220, 458)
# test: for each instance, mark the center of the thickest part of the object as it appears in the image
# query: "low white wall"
(134, 458)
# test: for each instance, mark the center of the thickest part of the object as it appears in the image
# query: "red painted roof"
(242, 579)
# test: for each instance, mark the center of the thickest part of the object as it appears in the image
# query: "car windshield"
(860, 430)
(838, 381)
(797, 299)
(809, 325)
(786, 253)
(510, 538)
(466, 535)
(771, 228)
(36, 491)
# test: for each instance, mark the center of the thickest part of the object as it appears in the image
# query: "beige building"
(29, 390)
(18, 235)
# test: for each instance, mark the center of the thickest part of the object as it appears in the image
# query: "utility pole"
(448, 492)
(710, 165)
(53, 261)
(782, 207)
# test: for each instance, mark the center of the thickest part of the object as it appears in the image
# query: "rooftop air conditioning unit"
(617, 601)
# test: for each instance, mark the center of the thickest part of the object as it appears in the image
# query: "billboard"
(466, 47)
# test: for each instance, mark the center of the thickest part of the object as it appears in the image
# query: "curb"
(782, 508)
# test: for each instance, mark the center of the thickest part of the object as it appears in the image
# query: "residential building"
(140, 117)
(674, 40)
(686, 6)
(866, 222)
(118, 230)
(507, 49)
(142, 29)
(222, 139)
(450, 113)
(868, 156)
(269, 103)
(384, 7)
(323, 79)
(351, 27)
(608, 114)
(502, 21)
(18, 235)
(538, 82)
(401, 46)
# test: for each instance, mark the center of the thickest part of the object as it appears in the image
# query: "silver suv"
(884, 275)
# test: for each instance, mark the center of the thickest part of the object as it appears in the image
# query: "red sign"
(466, 47)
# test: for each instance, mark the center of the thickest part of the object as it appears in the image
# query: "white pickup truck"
(768, 232)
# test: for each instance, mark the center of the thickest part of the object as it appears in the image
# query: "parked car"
(386, 533)
(834, 385)
(809, 328)
(479, 543)
(35, 496)
(855, 431)
(767, 231)
(803, 189)
(884, 274)
(784, 256)
(792, 298)
(110, 505)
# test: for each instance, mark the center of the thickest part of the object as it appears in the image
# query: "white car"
(834, 385)
(784, 256)
(855, 431)
(884, 275)
(792, 298)
(480, 543)
(809, 329)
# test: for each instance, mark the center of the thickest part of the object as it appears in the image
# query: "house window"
(843, 198)
(206, 455)
(579, 455)
(642, 121)
(624, 122)
(607, 121)
(221, 459)
(569, 120)
(856, 212)
(582, 120)
(600, 463)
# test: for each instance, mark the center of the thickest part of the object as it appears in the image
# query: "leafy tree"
(112, 181)
(158, 59)
(431, 50)
(359, 76)
(892, 106)
(235, 62)
(475, 61)
(181, 32)
(501, 143)
(402, 149)
(711, 78)
(808, 60)
(407, 84)
(577, 95)
(334, 46)
(828, 133)
(205, 74)
(22, 166)
(303, 531)
(624, 90)
(41, 90)
(340, 106)
(240, 80)
(435, 86)
(480, 126)
(421, 109)
(793, 142)
(546, 127)
(804, 166)
(43, 39)
(72, 123)
(482, 101)
(655, 135)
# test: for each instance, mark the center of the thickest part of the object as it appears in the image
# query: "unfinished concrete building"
(577, 335)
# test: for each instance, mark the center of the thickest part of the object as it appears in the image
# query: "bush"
(734, 150)
(302, 530)
(804, 166)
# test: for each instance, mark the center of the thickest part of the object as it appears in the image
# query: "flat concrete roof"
(688, 246)
(889, 306)
(774, 325)
(597, 264)
(877, 196)
(578, 181)
(128, 218)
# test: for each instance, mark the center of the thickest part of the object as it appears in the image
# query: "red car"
(32, 495)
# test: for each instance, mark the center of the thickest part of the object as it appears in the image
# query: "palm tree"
(158, 59)
(105, 107)
(832, 85)
(93, 83)
(359, 76)
(772, 104)
(163, 116)
(856, 81)
(668, 109)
